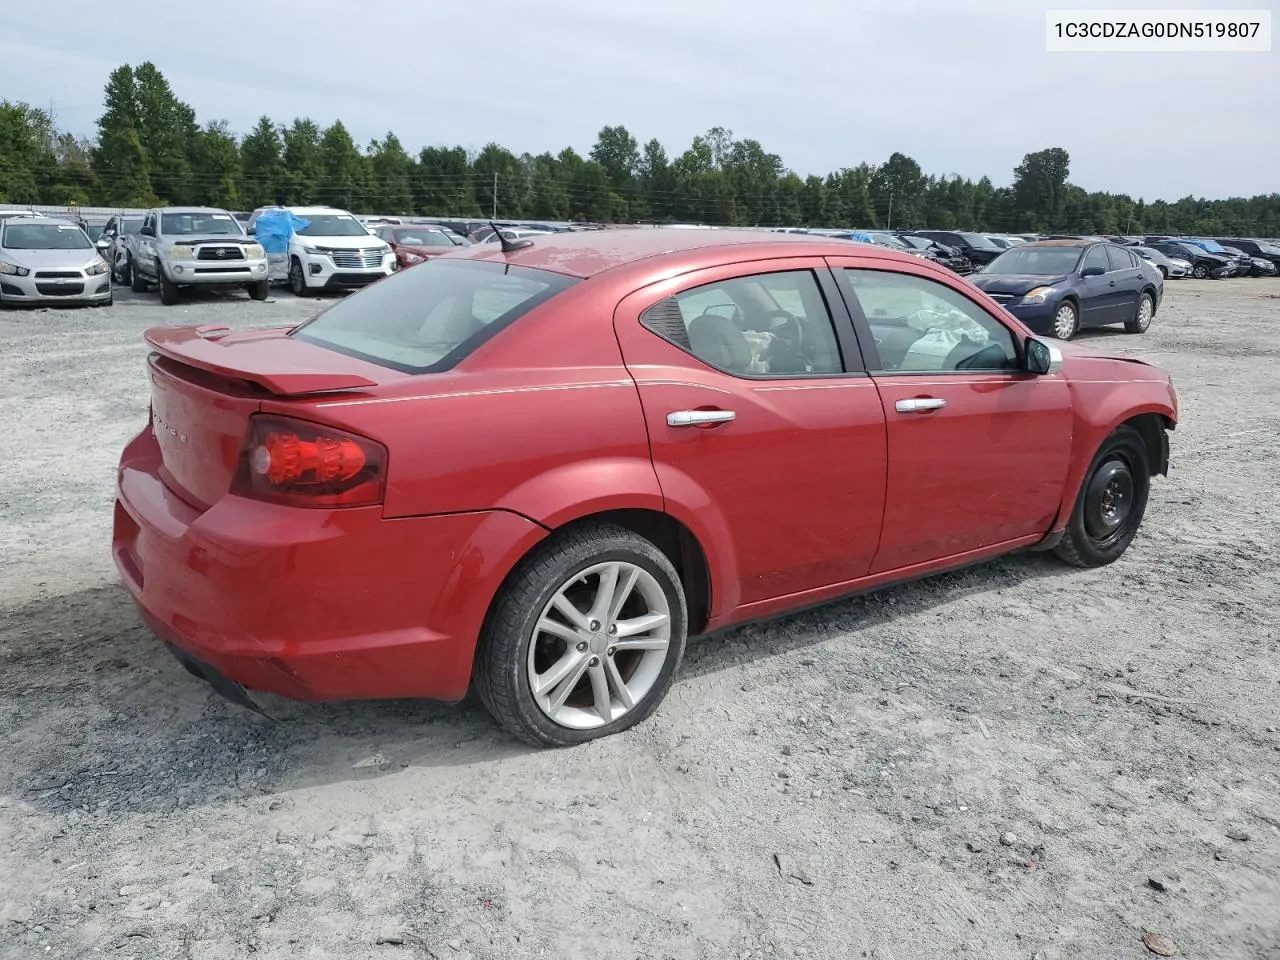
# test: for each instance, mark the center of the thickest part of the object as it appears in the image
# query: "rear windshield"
(428, 318)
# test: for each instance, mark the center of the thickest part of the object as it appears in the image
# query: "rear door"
(762, 418)
(978, 449)
(1127, 275)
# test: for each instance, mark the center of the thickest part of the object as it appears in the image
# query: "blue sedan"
(1060, 287)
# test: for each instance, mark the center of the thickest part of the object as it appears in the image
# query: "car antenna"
(510, 246)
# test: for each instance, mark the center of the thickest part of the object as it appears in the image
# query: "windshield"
(1268, 248)
(196, 224)
(332, 225)
(1146, 252)
(423, 238)
(920, 243)
(44, 236)
(978, 241)
(1211, 245)
(888, 240)
(429, 318)
(1035, 261)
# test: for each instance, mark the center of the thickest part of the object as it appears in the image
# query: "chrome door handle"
(919, 404)
(692, 418)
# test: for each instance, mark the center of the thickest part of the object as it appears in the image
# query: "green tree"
(344, 169)
(895, 191)
(303, 166)
(263, 175)
(168, 131)
(442, 183)
(391, 176)
(26, 152)
(120, 161)
(1038, 184)
(215, 167)
(497, 168)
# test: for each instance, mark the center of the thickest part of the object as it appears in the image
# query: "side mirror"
(1092, 272)
(102, 243)
(1042, 358)
(147, 231)
(252, 229)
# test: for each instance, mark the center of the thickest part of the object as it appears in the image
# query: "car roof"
(190, 210)
(590, 252)
(1072, 242)
(303, 211)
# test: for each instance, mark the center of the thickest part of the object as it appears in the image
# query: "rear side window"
(1120, 259)
(764, 325)
(427, 318)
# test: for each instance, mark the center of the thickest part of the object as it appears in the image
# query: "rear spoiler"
(282, 365)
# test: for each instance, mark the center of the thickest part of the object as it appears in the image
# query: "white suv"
(334, 251)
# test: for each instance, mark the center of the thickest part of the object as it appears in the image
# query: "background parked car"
(49, 259)
(183, 247)
(1063, 286)
(1256, 248)
(1249, 266)
(1203, 263)
(975, 246)
(334, 251)
(115, 252)
(1168, 266)
(416, 243)
(949, 257)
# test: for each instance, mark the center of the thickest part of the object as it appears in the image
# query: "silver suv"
(48, 259)
(195, 247)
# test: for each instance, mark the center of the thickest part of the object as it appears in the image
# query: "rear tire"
(1111, 503)
(514, 641)
(1141, 321)
(168, 290)
(260, 290)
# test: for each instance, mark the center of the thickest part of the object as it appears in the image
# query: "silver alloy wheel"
(1145, 311)
(1064, 322)
(599, 645)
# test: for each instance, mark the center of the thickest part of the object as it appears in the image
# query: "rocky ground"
(1020, 760)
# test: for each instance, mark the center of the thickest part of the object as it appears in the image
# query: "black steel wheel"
(1111, 503)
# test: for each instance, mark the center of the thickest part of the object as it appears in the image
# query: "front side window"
(922, 325)
(43, 236)
(429, 318)
(769, 324)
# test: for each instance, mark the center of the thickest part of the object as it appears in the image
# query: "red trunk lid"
(206, 383)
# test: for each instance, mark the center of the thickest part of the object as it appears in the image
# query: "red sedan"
(538, 468)
(416, 243)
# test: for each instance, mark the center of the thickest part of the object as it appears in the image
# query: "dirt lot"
(1020, 760)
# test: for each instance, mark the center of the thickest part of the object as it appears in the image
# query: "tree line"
(151, 149)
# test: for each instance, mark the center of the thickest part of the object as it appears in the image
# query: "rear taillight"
(309, 465)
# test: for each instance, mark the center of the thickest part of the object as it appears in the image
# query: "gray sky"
(963, 87)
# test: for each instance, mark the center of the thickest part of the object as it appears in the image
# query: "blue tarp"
(274, 227)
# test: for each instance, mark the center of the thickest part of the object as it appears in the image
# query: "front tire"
(297, 280)
(1200, 271)
(123, 272)
(1141, 321)
(137, 282)
(1066, 320)
(1164, 273)
(260, 290)
(1111, 503)
(168, 290)
(583, 639)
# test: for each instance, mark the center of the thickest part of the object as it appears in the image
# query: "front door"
(1101, 297)
(978, 449)
(761, 419)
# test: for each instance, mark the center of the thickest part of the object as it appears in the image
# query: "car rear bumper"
(35, 289)
(311, 604)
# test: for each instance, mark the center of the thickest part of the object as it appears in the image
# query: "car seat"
(717, 340)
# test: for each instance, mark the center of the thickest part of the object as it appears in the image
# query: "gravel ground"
(1020, 760)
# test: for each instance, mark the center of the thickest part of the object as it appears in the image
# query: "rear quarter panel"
(543, 421)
